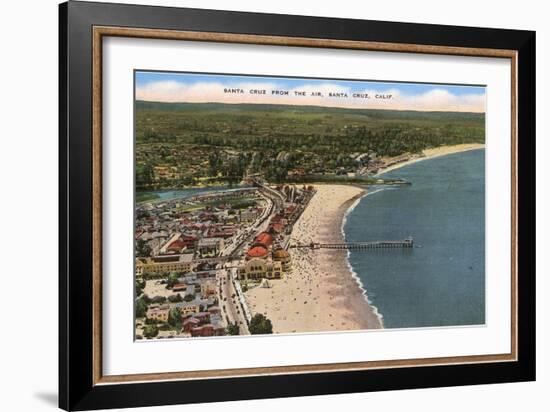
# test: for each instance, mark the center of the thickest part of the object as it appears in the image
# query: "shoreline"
(434, 153)
(426, 154)
(351, 269)
(322, 293)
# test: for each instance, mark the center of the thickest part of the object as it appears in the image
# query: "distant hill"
(374, 113)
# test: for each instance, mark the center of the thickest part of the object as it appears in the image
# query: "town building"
(203, 331)
(172, 239)
(190, 323)
(265, 239)
(158, 313)
(188, 308)
(208, 329)
(165, 173)
(163, 265)
(208, 288)
(257, 252)
(210, 247)
(223, 231)
(179, 287)
(250, 215)
(281, 255)
(258, 268)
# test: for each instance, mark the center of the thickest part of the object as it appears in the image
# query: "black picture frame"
(77, 390)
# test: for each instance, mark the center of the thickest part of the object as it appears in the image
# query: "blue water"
(441, 282)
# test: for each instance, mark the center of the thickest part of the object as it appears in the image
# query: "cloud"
(331, 95)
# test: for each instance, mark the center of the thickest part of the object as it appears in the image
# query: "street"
(229, 298)
(229, 302)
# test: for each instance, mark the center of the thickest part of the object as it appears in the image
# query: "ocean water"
(441, 281)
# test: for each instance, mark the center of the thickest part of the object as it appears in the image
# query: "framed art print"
(259, 205)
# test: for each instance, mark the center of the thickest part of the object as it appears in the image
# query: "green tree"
(159, 300)
(260, 325)
(144, 175)
(172, 280)
(214, 163)
(142, 248)
(150, 331)
(141, 308)
(232, 329)
(175, 298)
(140, 285)
(174, 318)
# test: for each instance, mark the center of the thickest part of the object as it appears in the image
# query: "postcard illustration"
(274, 205)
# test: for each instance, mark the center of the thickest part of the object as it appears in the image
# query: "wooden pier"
(378, 244)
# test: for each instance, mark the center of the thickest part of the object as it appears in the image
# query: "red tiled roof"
(264, 238)
(176, 245)
(257, 252)
(277, 227)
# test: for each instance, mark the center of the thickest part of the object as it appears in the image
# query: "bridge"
(377, 244)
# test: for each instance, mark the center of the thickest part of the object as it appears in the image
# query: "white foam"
(348, 263)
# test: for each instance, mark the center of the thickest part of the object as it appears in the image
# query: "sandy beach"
(435, 152)
(320, 293)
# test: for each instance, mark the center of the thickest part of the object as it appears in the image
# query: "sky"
(208, 88)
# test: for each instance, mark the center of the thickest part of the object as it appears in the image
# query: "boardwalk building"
(257, 268)
(282, 256)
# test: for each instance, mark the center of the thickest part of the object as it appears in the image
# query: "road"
(247, 235)
(230, 302)
(229, 299)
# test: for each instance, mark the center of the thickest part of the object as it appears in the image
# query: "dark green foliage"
(218, 143)
(144, 175)
(142, 248)
(174, 318)
(260, 325)
(141, 307)
(150, 331)
(241, 204)
(172, 280)
(140, 285)
(276, 172)
(158, 300)
(175, 298)
(232, 329)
